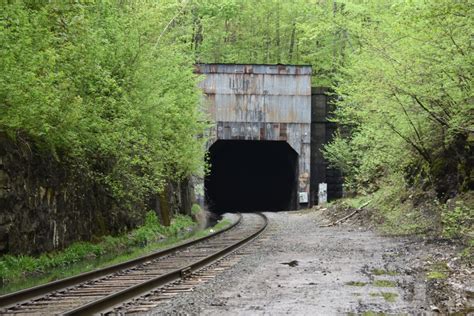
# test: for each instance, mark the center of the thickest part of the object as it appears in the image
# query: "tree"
(406, 90)
(106, 88)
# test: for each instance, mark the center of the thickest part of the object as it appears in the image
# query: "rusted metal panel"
(257, 84)
(297, 135)
(261, 102)
(254, 69)
(258, 108)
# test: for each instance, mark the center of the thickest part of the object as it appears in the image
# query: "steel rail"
(106, 303)
(19, 297)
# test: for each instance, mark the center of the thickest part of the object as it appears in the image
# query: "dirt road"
(302, 269)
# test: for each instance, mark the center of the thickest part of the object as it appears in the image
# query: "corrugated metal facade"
(261, 102)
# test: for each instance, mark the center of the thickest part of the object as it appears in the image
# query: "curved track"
(101, 290)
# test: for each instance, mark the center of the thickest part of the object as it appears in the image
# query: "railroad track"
(105, 290)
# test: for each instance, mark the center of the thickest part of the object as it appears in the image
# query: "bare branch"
(170, 22)
(410, 142)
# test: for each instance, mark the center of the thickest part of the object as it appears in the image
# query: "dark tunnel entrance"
(249, 176)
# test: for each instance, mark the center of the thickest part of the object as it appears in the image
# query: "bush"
(195, 209)
(89, 84)
(458, 221)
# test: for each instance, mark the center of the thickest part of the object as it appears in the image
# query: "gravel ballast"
(303, 269)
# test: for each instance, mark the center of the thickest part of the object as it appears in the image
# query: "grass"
(438, 270)
(356, 283)
(195, 209)
(383, 272)
(387, 296)
(467, 254)
(399, 210)
(457, 218)
(18, 272)
(358, 201)
(436, 275)
(108, 259)
(392, 210)
(367, 313)
(219, 226)
(384, 283)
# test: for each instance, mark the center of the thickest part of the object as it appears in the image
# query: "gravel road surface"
(302, 269)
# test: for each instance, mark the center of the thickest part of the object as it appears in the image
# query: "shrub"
(195, 209)
(457, 221)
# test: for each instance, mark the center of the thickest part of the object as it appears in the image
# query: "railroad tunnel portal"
(249, 176)
(262, 127)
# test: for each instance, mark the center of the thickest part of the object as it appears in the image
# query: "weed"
(438, 270)
(356, 202)
(467, 254)
(356, 283)
(384, 283)
(220, 225)
(370, 313)
(195, 209)
(458, 221)
(383, 272)
(388, 296)
(17, 267)
(367, 313)
(436, 275)
(19, 272)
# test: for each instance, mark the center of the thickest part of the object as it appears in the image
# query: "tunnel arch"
(248, 176)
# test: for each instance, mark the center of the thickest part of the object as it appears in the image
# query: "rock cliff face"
(45, 206)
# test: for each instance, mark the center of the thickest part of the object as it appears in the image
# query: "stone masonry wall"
(44, 206)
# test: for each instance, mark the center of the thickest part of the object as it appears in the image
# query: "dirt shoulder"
(301, 268)
(436, 263)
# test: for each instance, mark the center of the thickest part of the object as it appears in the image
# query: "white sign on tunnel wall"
(303, 197)
(323, 193)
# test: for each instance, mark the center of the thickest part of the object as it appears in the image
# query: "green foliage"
(404, 103)
(356, 283)
(153, 230)
(109, 89)
(274, 31)
(223, 223)
(178, 223)
(404, 89)
(398, 211)
(383, 272)
(13, 267)
(436, 275)
(438, 270)
(467, 254)
(195, 209)
(457, 222)
(384, 283)
(99, 87)
(395, 210)
(388, 296)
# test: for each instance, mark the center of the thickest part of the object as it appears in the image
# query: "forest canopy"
(105, 89)
(109, 86)
(401, 73)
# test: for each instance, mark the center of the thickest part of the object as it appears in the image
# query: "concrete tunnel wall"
(267, 103)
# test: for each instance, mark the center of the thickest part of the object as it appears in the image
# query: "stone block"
(4, 179)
